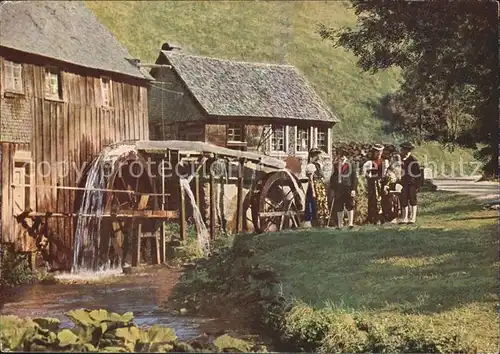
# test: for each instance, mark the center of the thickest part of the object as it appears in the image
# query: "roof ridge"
(166, 52)
(225, 87)
(75, 35)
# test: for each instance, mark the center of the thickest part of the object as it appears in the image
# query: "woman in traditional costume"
(391, 189)
(374, 170)
(316, 200)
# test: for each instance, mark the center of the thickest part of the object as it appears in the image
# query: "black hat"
(315, 151)
(407, 145)
(342, 152)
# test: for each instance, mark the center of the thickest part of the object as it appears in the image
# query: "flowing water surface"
(145, 294)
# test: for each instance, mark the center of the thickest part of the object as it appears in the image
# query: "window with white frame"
(322, 138)
(13, 76)
(106, 92)
(302, 143)
(53, 88)
(234, 132)
(278, 138)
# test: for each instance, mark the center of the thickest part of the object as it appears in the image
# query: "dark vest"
(411, 171)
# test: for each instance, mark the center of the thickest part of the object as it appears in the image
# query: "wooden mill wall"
(12, 231)
(64, 134)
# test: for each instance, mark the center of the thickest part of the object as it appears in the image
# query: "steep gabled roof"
(66, 31)
(232, 88)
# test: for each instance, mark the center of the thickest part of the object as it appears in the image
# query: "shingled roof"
(232, 88)
(66, 31)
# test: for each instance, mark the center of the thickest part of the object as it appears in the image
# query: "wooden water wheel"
(277, 203)
(117, 229)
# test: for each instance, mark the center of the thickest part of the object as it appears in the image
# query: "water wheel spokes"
(279, 202)
(117, 232)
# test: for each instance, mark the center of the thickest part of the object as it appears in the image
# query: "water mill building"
(247, 106)
(67, 89)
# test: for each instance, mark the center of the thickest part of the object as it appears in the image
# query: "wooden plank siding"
(12, 232)
(67, 134)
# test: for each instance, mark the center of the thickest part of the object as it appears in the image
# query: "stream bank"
(238, 278)
(146, 293)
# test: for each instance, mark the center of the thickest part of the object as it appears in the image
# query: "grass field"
(460, 162)
(278, 32)
(441, 271)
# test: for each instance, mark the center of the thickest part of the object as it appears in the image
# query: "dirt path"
(483, 191)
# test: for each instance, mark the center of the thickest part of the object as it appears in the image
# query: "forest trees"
(448, 53)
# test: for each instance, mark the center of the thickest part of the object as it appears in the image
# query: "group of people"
(391, 185)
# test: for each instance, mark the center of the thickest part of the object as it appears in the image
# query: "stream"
(144, 293)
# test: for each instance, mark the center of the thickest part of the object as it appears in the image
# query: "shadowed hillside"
(280, 32)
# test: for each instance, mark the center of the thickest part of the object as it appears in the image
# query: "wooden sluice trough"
(137, 205)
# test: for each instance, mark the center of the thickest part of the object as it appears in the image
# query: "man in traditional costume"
(410, 180)
(374, 170)
(316, 200)
(344, 182)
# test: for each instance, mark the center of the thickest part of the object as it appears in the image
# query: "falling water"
(87, 234)
(203, 235)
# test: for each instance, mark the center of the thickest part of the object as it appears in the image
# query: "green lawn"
(443, 269)
(459, 162)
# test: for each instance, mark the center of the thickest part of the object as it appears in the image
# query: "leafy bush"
(334, 330)
(99, 331)
(235, 344)
(15, 267)
(417, 336)
(343, 334)
(305, 326)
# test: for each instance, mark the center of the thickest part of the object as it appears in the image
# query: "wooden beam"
(163, 237)
(157, 240)
(182, 209)
(239, 206)
(143, 202)
(136, 261)
(278, 213)
(212, 204)
(222, 212)
(147, 214)
(197, 190)
(128, 191)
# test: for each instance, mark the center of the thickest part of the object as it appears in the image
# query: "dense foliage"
(448, 54)
(14, 268)
(102, 331)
